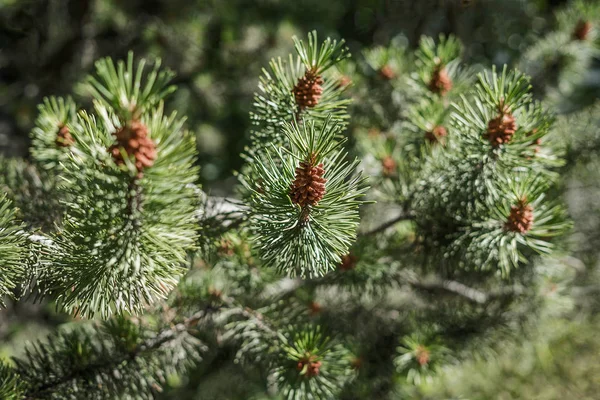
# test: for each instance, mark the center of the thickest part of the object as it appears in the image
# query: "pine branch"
(13, 250)
(113, 361)
(462, 290)
(388, 224)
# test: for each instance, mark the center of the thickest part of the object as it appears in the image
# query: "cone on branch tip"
(134, 139)
(309, 366)
(308, 187)
(63, 137)
(520, 219)
(356, 362)
(388, 165)
(436, 135)
(502, 128)
(348, 262)
(422, 355)
(582, 30)
(308, 90)
(314, 308)
(440, 82)
(344, 81)
(386, 72)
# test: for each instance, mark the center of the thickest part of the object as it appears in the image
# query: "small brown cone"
(344, 81)
(440, 81)
(582, 30)
(388, 165)
(308, 90)
(436, 135)
(422, 355)
(63, 137)
(387, 73)
(501, 129)
(520, 219)
(356, 362)
(308, 187)
(348, 262)
(134, 139)
(310, 365)
(314, 308)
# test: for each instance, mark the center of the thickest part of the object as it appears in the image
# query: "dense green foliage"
(416, 220)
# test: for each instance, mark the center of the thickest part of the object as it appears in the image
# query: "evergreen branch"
(120, 87)
(406, 216)
(127, 229)
(304, 220)
(111, 361)
(320, 58)
(462, 290)
(13, 250)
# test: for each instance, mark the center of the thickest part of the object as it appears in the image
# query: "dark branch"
(389, 224)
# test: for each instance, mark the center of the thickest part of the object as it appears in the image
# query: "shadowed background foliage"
(217, 48)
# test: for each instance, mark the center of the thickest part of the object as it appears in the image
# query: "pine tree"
(446, 245)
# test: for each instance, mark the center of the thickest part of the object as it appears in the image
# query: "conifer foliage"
(115, 251)
(321, 281)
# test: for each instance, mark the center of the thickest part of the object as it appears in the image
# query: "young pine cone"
(520, 219)
(134, 139)
(388, 166)
(582, 30)
(310, 366)
(436, 135)
(440, 81)
(501, 129)
(386, 72)
(308, 90)
(308, 187)
(348, 262)
(63, 137)
(422, 355)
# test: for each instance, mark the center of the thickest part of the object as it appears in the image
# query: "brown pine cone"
(308, 187)
(311, 364)
(582, 30)
(348, 262)
(308, 90)
(501, 129)
(436, 135)
(134, 139)
(440, 81)
(388, 165)
(387, 73)
(63, 137)
(422, 355)
(520, 219)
